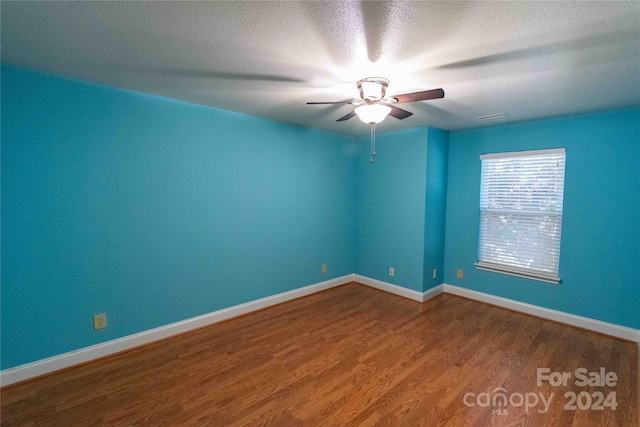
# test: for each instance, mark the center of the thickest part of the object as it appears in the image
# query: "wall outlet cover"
(99, 321)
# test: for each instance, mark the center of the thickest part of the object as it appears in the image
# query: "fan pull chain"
(373, 136)
(374, 139)
(373, 142)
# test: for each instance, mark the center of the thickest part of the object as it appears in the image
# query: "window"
(521, 213)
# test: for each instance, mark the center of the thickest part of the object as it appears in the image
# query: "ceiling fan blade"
(418, 96)
(399, 113)
(218, 75)
(347, 117)
(530, 53)
(337, 102)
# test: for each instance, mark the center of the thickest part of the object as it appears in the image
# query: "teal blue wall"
(600, 248)
(153, 211)
(401, 203)
(435, 206)
(390, 208)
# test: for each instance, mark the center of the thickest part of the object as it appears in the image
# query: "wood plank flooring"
(349, 356)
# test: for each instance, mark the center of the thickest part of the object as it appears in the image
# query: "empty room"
(320, 213)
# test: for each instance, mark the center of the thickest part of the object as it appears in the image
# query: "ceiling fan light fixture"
(373, 91)
(373, 113)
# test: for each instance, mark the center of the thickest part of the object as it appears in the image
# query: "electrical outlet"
(324, 268)
(460, 274)
(99, 321)
(435, 273)
(392, 271)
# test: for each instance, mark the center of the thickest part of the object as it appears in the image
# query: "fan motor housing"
(372, 88)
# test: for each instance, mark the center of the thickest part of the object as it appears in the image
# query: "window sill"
(518, 272)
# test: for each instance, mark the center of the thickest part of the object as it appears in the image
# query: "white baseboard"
(55, 363)
(611, 329)
(398, 290)
(388, 287)
(430, 293)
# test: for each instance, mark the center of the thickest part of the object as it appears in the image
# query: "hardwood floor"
(349, 356)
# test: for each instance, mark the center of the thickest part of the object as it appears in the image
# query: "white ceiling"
(527, 59)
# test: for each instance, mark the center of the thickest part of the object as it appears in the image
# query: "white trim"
(398, 290)
(433, 292)
(614, 330)
(515, 271)
(521, 153)
(65, 360)
(55, 363)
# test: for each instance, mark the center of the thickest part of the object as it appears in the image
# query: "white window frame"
(511, 215)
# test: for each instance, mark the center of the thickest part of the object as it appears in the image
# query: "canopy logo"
(499, 401)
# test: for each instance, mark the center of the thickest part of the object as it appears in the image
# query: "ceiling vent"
(492, 116)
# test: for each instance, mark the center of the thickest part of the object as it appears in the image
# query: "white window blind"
(521, 213)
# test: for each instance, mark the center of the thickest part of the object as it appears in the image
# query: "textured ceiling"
(529, 60)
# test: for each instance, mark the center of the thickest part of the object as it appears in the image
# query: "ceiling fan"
(374, 107)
